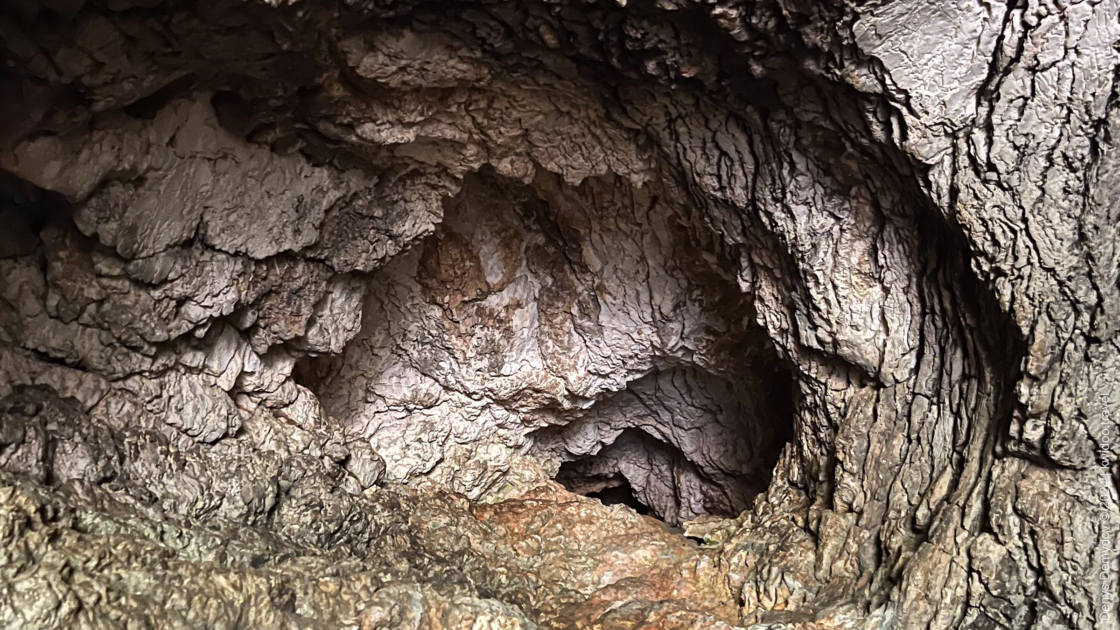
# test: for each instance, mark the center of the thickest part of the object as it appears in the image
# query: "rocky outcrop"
(324, 315)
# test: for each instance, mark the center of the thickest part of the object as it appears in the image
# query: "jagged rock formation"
(552, 321)
(306, 309)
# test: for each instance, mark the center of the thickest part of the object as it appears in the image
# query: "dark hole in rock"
(305, 372)
(678, 443)
(618, 493)
(146, 108)
(25, 209)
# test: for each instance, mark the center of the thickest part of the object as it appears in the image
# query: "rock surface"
(322, 315)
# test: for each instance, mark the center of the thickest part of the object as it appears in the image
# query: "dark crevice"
(25, 209)
(146, 108)
(306, 373)
(643, 468)
(619, 494)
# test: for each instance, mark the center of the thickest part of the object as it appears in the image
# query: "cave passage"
(620, 494)
(679, 443)
(316, 314)
(655, 478)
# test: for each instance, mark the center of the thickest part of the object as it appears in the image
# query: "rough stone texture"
(579, 313)
(301, 305)
(134, 528)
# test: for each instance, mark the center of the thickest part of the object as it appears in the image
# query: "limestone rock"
(325, 315)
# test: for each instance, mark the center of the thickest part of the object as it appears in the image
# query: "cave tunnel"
(320, 314)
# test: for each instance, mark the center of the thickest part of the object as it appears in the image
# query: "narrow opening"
(25, 209)
(146, 108)
(620, 494)
(694, 444)
(309, 372)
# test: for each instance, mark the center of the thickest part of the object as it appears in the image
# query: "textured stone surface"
(577, 313)
(302, 304)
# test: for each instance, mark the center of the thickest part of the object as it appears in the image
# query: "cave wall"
(908, 207)
(527, 309)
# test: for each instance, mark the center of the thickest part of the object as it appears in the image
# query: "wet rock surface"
(323, 315)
